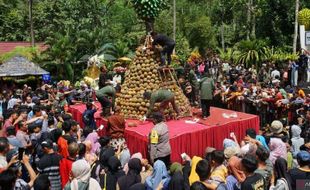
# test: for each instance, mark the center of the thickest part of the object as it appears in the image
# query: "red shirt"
(63, 147)
(65, 167)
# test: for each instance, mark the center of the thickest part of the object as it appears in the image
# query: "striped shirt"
(49, 165)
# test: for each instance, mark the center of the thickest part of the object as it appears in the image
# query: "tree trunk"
(31, 23)
(248, 20)
(174, 22)
(149, 25)
(296, 27)
(222, 36)
(253, 31)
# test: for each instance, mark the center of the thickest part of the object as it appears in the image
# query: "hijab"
(234, 166)
(105, 154)
(124, 156)
(280, 169)
(133, 175)
(193, 177)
(81, 173)
(177, 181)
(296, 131)
(175, 167)
(159, 174)
(277, 149)
(229, 143)
(136, 155)
(114, 164)
(93, 138)
(114, 172)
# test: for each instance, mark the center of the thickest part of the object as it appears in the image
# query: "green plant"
(304, 18)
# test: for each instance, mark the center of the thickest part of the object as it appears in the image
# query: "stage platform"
(191, 138)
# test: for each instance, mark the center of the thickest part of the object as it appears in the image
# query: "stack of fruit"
(142, 76)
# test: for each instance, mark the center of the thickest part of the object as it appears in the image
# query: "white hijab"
(81, 173)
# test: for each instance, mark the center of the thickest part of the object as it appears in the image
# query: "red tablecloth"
(189, 138)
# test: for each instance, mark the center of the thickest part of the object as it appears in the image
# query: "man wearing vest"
(206, 87)
(159, 146)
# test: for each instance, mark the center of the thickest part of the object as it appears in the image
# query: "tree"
(200, 33)
(148, 10)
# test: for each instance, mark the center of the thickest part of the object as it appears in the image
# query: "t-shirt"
(254, 182)
(14, 142)
(65, 169)
(7, 124)
(23, 138)
(49, 164)
(3, 162)
(20, 184)
(298, 173)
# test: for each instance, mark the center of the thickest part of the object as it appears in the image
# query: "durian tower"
(143, 76)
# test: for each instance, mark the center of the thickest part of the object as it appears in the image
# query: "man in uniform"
(206, 94)
(103, 95)
(166, 43)
(162, 96)
(159, 146)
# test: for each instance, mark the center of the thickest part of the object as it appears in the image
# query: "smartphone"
(20, 153)
(183, 155)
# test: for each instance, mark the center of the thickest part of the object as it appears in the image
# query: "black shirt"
(102, 80)
(254, 182)
(298, 173)
(162, 40)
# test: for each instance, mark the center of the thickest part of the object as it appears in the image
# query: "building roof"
(20, 66)
(6, 47)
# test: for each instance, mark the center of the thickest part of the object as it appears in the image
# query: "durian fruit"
(141, 76)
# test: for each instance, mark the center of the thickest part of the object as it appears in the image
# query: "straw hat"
(276, 127)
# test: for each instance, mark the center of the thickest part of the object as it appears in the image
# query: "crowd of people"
(43, 147)
(271, 91)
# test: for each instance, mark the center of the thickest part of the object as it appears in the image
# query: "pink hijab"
(277, 149)
(93, 138)
(136, 155)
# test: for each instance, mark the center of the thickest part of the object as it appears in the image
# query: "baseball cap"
(47, 144)
(304, 156)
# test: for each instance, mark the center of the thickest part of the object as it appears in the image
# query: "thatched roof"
(20, 66)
